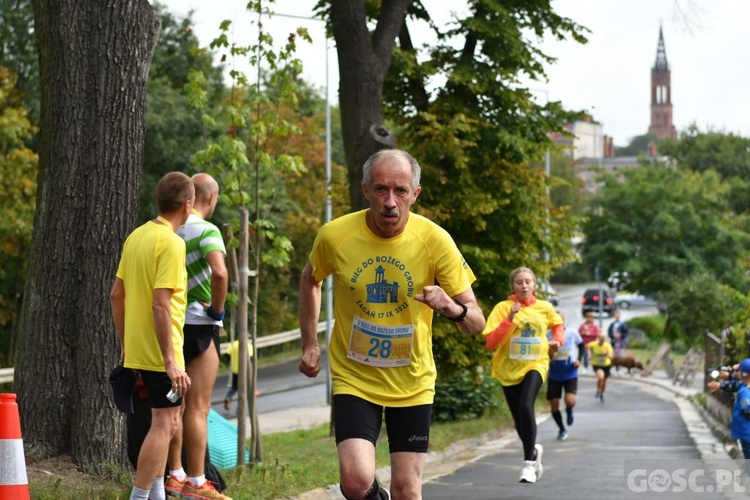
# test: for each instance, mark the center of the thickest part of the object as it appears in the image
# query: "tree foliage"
(18, 169)
(480, 130)
(18, 53)
(726, 153)
(694, 314)
(663, 225)
(174, 129)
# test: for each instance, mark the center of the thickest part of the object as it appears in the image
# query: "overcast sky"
(706, 43)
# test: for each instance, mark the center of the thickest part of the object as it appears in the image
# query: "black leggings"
(520, 398)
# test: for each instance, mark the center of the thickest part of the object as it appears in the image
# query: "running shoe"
(569, 413)
(174, 486)
(562, 435)
(597, 395)
(601, 397)
(528, 472)
(227, 403)
(384, 494)
(538, 468)
(207, 491)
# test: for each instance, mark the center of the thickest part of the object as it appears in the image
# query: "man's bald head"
(206, 194)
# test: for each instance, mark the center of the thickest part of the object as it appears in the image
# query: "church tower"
(661, 95)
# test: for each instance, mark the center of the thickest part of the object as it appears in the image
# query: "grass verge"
(294, 462)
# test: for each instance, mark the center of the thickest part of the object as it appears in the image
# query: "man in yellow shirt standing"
(148, 302)
(385, 262)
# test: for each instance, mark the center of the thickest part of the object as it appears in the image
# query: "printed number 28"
(380, 349)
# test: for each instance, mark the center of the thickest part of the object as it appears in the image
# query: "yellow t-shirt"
(153, 257)
(234, 359)
(599, 353)
(381, 345)
(525, 347)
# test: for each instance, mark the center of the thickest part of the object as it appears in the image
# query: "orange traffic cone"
(13, 481)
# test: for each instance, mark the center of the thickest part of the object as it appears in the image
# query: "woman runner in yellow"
(517, 331)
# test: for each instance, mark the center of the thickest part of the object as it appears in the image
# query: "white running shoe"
(538, 467)
(528, 472)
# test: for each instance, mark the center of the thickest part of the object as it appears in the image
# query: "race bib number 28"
(379, 345)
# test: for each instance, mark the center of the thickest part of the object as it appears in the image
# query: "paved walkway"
(642, 418)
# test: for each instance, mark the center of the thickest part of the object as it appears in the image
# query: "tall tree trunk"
(94, 60)
(364, 59)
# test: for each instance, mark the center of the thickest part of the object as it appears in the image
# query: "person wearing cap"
(600, 353)
(740, 425)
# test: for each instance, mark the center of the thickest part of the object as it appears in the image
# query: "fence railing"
(6, 374)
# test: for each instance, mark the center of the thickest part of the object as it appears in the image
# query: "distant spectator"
(740, 425)
(618, 333)
(589, 331)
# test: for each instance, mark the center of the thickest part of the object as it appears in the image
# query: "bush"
(466, 396)
(652, 326)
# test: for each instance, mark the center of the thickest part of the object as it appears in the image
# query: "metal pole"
(329, 217)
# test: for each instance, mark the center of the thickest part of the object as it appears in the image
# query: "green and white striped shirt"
(201, 238)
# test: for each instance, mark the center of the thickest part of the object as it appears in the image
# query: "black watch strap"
(461, 316)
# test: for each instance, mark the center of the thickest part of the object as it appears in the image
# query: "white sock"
(139, 494)
(198, 481)
(157, 489)
(178, 474)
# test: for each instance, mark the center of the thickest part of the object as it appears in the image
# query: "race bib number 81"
(379, 345)
(525, 348)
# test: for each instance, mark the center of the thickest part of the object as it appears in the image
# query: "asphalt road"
(633, 429)
(282, 386)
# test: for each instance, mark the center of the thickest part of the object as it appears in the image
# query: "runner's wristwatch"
(461, 316)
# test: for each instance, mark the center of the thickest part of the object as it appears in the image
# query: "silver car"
(628, 300)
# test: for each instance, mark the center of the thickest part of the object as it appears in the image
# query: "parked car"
(590, 301)
(628, 300)
(548, 293)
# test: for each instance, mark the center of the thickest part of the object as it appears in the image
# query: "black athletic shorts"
(408, 427)
(198, 338)
(158, 385)
(604, 368)
(555, 388)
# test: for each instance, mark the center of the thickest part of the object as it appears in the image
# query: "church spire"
(661, 95)
(661, 63)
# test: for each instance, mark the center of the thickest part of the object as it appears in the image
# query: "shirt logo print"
(380, 291)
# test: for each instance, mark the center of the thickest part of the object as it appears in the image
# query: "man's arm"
(309, 314)
(117, 302)
(162, 307)
(439, 301)
(219, 280)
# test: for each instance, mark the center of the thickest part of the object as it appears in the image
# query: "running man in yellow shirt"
(385, 263)
(600, 354)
